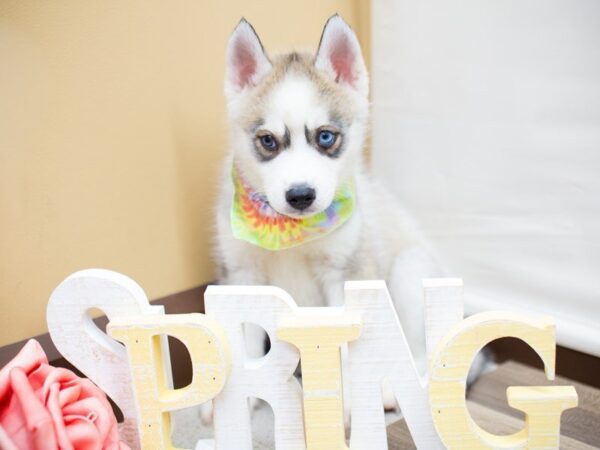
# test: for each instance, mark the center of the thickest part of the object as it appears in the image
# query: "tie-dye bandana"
(255, 221)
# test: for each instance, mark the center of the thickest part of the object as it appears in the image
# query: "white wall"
(487, 127)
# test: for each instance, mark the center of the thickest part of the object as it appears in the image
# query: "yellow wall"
(111, 132)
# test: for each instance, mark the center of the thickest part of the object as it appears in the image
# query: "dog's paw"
(388, 397)
(206, 410)
(206, 413)
(253, 403)
(484, 362)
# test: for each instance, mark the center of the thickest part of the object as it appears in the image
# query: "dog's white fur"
(379, 241)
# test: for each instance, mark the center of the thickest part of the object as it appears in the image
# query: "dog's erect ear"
(339, 55)
(247, 62)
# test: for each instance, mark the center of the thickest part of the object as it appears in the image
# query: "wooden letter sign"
(348, 354)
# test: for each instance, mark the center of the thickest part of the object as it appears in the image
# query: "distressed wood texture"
(83, 344)
(447, 381)
(380, 367)
(233, 306)
(448, 373)
(319, 338)
(444, 308)
(210, 354)
(487, 403)
(382, 353)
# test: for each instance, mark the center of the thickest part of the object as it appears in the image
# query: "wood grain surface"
(580, 427)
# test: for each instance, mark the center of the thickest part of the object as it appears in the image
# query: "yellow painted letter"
(448, 373)
(318, 338)
(211, 360)
(542, 406)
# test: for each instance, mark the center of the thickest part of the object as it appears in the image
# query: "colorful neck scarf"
(255, 221)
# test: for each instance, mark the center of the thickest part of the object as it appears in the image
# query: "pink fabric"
(46, 408)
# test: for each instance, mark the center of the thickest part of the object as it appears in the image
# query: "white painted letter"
(269, 378)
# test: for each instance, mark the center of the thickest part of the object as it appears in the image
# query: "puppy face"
(298, 121)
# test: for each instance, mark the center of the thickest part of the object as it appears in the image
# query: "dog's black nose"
(300, 197)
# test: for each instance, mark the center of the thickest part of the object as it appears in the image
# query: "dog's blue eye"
(326, 138)
(268, 142)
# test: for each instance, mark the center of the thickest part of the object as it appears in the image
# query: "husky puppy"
(297, 130)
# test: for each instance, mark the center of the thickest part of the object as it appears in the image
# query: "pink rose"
(46, 408)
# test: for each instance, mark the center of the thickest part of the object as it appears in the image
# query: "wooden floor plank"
(399, 437)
